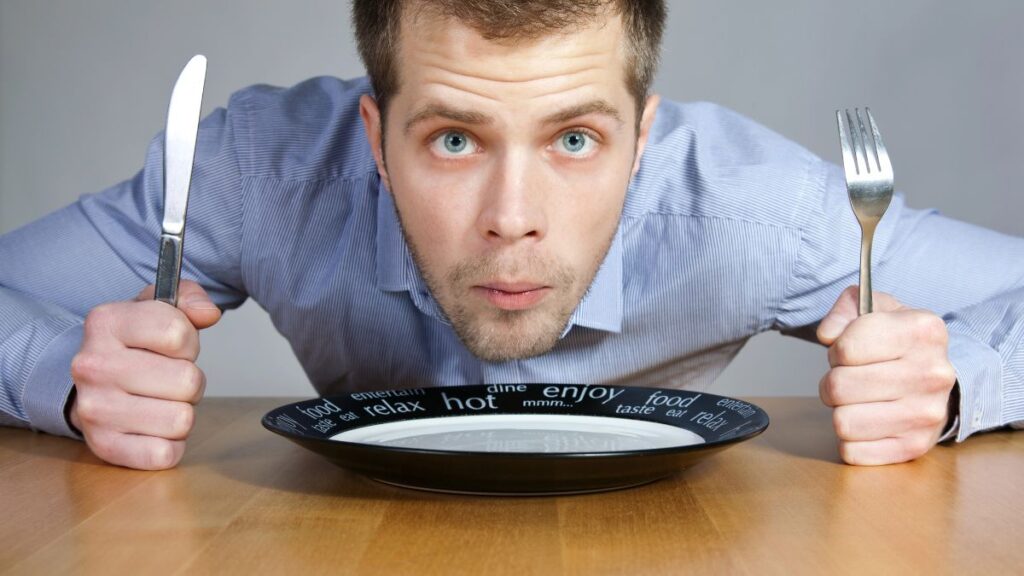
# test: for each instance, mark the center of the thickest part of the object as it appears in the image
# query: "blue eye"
(455, 142)
(574, 141)
(578, 143)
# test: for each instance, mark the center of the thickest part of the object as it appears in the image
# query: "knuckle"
(848, 453)
(824, 392)
(921, 445)
(160, 455)
(98, 315)
(935, 414)
(913, 448)
(194, 381)
(836, 387)
(928, 326)
(941, 376)
(199, 386)
(182, 422)
(841, 423)
(86, 367)
(100, 319)
(103, 446)
(842, 351)
(88, 408)
(176, 334)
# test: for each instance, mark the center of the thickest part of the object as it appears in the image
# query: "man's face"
(508, 164)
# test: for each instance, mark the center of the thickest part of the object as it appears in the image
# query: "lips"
(513, 295)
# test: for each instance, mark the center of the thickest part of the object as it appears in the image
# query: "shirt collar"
(600, 309)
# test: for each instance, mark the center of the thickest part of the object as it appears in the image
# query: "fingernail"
(200, 303)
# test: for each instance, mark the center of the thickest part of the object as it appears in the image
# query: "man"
(504, 201)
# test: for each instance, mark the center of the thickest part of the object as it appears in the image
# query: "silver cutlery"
(179, 153)
(869, 180)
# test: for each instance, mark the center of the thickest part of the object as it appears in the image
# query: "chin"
(506, 338)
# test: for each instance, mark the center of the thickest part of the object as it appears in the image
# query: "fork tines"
(857, 153)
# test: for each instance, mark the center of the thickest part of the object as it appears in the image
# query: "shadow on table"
(804, 432)
(44, 446)
(277, 464)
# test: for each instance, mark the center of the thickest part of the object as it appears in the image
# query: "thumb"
(839, 317)
(193, 301)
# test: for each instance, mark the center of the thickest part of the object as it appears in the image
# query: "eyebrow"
(438, 110)
(602, 107)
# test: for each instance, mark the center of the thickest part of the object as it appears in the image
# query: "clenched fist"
(136, 377)
(890, 380)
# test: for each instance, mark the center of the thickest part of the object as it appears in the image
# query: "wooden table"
(245, 501)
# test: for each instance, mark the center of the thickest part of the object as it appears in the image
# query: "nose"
(513, 203)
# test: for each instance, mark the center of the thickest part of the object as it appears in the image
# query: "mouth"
(513, 295)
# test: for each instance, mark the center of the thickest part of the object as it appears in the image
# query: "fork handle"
(865, 304)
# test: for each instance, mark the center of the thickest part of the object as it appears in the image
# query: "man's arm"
(987, 349)
(971, 277)
(102, 249)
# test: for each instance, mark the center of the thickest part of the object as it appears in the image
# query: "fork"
(869, 180)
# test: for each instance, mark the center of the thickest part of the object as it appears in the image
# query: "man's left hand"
(890, 380)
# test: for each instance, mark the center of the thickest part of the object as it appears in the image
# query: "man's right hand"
(136, 377)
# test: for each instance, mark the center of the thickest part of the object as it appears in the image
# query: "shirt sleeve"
(103, 248)
(970, 276)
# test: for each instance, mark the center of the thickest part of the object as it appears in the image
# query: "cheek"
(588, 201)
(436, 212)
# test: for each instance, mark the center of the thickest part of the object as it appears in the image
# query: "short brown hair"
(377, 24)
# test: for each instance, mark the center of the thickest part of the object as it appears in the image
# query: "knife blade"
(179, 153)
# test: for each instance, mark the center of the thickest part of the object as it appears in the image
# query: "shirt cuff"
(979, 371)
(49, 385)
(953, 425)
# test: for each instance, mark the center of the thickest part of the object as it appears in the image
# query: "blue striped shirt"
(728, 230)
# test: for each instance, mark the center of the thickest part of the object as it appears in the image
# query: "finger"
(883, 336)
(133, 451)
(885, 451)
(839, 317)
(197, 305)
(847, 309)
(882, 302)
(155, 326)
(193, 301)
(143, 373)
(880, 382)
(129, 414)
(878, 420)
(147, 293)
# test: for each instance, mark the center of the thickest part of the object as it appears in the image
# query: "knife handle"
(168, 269)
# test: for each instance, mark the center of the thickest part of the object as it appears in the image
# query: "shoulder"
(704, 160)
(309, 131)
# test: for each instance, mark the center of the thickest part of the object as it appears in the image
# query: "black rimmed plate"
(518, 438)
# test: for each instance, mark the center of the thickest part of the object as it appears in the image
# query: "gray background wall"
(84, 86)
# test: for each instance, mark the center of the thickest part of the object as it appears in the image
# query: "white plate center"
(543, 433)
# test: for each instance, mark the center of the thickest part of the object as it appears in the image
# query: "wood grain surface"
(245, 501)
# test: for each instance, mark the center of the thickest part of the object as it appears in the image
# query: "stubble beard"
(496, 335)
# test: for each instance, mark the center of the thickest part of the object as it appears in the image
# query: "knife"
(179, 152)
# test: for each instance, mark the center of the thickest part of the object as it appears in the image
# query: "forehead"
(443, 57)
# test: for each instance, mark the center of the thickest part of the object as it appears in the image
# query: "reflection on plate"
(540, 433)
(518, 438)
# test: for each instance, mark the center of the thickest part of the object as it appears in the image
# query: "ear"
(650, 110)
(370, 114)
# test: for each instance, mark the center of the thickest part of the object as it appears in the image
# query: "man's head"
(507, 132)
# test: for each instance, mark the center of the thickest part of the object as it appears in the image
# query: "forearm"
(52, 272)
(987, 350)
(103, 248)
(37, 342)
